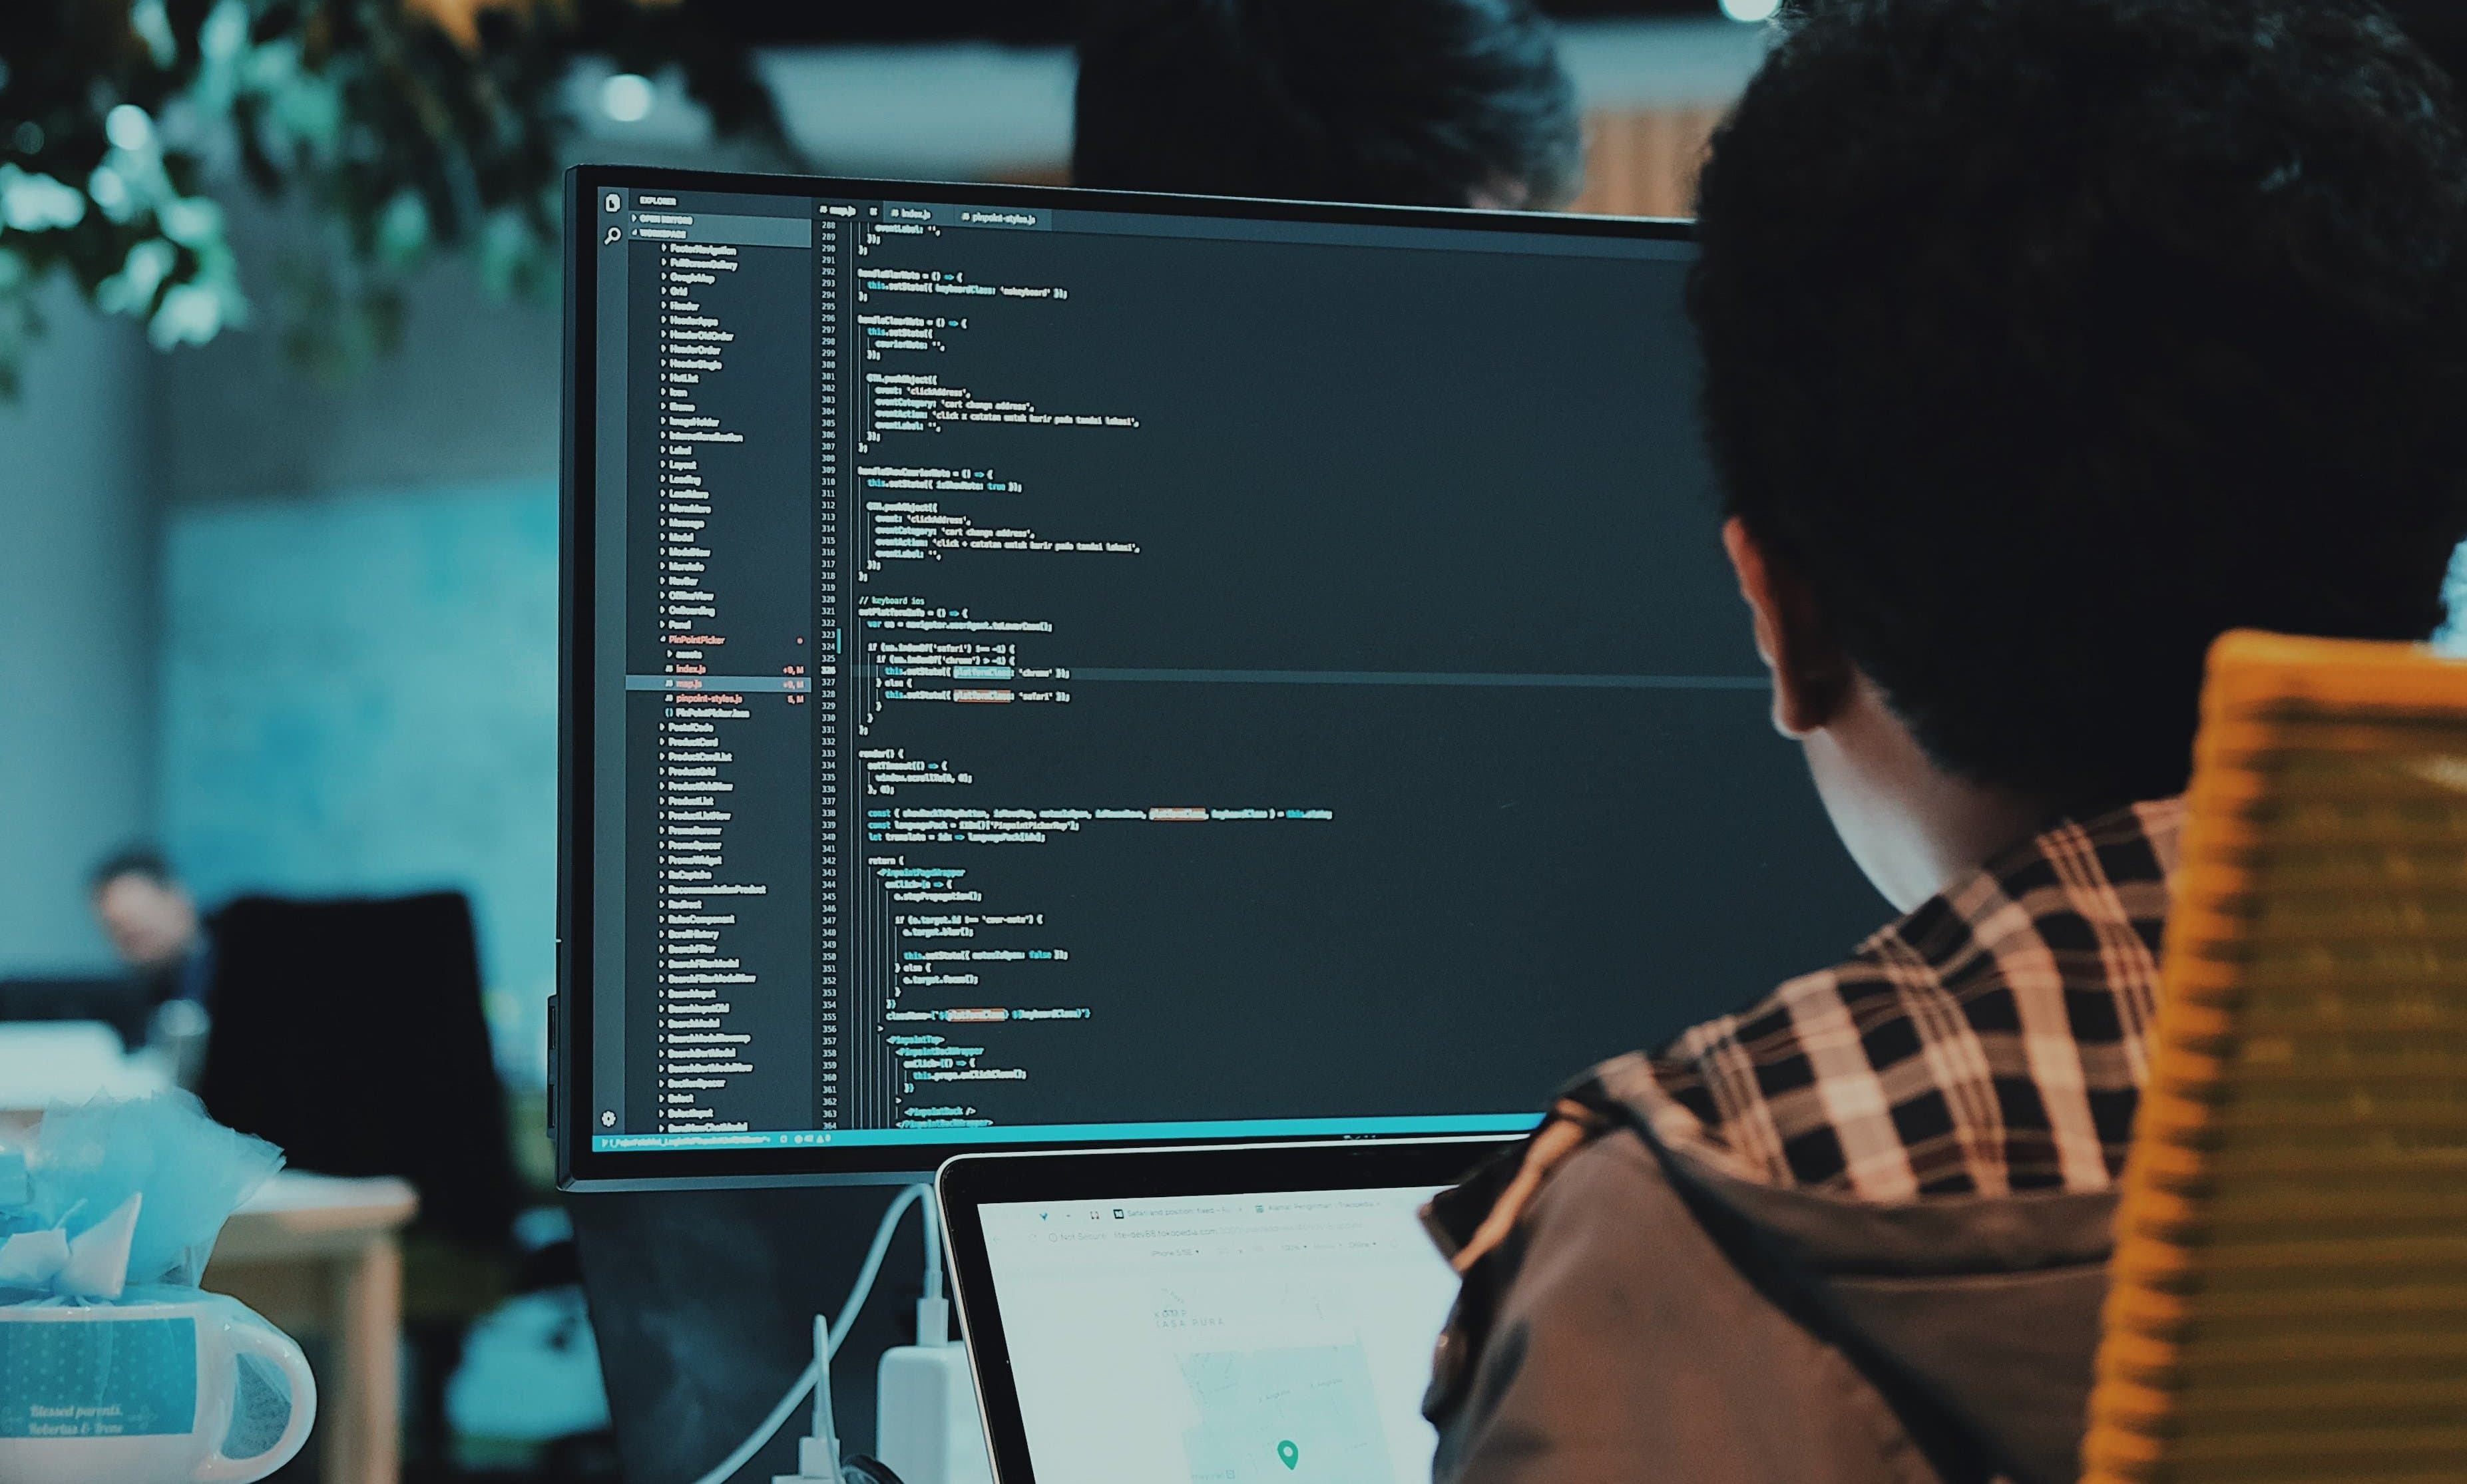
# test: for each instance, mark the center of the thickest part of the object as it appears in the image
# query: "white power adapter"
(926, 1425)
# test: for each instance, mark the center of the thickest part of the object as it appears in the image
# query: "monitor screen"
(1050, 667)
(1215, 1337)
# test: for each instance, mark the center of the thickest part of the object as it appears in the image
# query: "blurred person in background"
(154, 924)
(1396, 103)
(168, 947)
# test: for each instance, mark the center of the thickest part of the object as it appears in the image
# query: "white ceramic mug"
(142, 1392)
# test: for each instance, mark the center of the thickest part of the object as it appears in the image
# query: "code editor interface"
(1078, 674)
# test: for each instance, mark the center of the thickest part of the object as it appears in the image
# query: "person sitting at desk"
(154, 924)
(2044, 340)
(1397, 103)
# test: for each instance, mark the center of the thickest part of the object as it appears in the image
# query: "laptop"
(1251, 1315)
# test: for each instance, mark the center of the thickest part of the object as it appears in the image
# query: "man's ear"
(1812, 677)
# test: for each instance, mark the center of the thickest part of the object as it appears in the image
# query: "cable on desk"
(858, 1293)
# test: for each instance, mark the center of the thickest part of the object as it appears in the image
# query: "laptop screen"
(1253, 1339)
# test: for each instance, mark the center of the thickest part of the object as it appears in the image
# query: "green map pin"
(1290, 1455)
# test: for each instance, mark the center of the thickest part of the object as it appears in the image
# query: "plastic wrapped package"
(113, 1364)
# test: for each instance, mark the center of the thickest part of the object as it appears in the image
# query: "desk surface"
(301, 1214)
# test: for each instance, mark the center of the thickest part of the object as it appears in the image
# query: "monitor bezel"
(578, 1167)
(969, 1182)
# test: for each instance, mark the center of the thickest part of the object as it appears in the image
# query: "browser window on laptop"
(1222, 1338)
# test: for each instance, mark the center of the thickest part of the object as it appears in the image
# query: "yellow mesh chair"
(2290, 1294)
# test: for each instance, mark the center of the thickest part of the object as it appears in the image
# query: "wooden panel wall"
(1642, 162)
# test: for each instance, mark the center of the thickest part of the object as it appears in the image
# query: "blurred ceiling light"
(626, 98)
(127, 127)
(1751, 10)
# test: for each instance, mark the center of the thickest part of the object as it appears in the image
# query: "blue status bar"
(1071, 1132)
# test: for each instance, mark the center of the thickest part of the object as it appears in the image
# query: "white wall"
(77, 620)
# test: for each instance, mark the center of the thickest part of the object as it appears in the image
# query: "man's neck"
(1913, 828)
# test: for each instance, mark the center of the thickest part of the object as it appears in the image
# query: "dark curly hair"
(1399, 103)
(2048, 339)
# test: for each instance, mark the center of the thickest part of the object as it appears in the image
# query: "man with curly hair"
(2045, 340)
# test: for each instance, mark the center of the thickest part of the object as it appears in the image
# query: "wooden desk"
(318, 1255)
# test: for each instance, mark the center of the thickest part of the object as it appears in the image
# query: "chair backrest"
(2289, 1280)
(351, 1032)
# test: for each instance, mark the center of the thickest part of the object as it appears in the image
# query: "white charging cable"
(830, 1337)
(933, 1309)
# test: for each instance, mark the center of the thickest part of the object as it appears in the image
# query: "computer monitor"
(1054, 668)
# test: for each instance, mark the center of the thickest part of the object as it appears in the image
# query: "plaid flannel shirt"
(1994, 1040)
